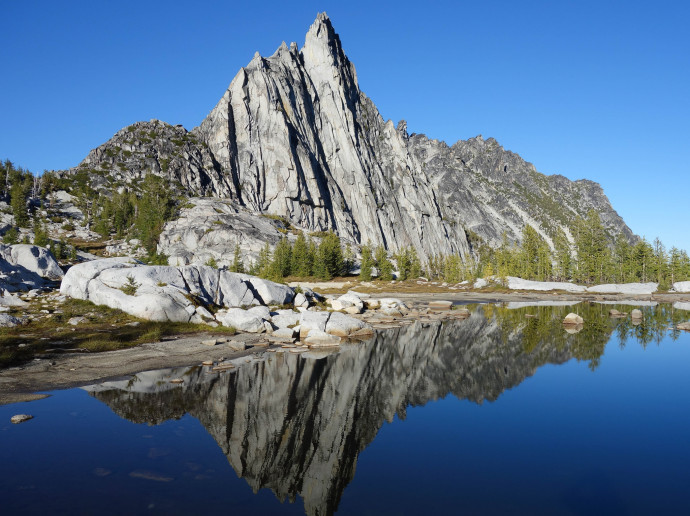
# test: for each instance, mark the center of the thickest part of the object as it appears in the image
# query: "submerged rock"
(20, 418)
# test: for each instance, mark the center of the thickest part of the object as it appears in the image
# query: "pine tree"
(383, 264)
(282, 259)
(563, 256)
(415, 264)
(348, 259)
(262, 267)
(593, 254)
(155, 207)
(19, 196)
(11, 236)
(301, 264)
(404, 261)
(40, 233)
(367, 263)
(237, 263)
(329, 257)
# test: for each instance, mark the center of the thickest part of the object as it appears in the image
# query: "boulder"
(683, 326)
(271, 293)
(348, 301)
(285, 318)
(636, 314)
(7, 321)
(166, 293)
(573, 319)
(241, 320)
(20, 418)
(301, 300)
(235, 291)
(616, 314)
(313, 321)
(343, 325)
(392, 306)
(38, 260)
(318, 338)
(10, 300)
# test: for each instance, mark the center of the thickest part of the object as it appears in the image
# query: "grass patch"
(105, 329)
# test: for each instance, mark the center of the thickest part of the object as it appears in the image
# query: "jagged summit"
(294, 136)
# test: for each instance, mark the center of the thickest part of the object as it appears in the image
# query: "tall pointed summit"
(294, 136)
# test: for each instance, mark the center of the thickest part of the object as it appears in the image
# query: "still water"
(497, 414)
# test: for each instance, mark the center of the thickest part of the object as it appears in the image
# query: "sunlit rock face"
(296, 424)
(293, 136)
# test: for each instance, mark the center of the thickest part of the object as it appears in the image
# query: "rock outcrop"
(26, 267)
(294, 137)
(165, 293)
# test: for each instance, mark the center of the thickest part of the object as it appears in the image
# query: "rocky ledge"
(205, 295)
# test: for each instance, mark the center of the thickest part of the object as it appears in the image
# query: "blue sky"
(596, 90)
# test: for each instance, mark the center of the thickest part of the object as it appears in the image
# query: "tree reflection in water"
(297, 423)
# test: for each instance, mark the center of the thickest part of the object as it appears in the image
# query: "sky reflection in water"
(498, 414)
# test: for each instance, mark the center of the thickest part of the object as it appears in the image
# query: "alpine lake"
(504, 412)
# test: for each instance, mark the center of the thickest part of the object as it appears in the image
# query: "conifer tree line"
(142, 210)
(591, 259)
(139, 212)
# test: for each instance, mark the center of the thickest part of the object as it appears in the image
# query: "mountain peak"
(322, 34)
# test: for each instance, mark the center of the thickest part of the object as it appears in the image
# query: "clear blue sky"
(588, 89)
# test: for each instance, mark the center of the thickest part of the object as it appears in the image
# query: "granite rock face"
(211, 228)
(165, 293)
(294, 137)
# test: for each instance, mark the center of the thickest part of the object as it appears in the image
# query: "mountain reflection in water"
(297, 423)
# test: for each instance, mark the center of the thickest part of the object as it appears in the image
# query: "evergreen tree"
(237, 263)
(562, 255)
(40, 233)
(262, 267)
(155, 207)
(642, 258)
(660, 265)
(11, 236)
(383, 264)
(329, 258)
(282, 259)
(19, 197)
(348, 260)
(593, 255)
(367, 263)
(622, 270)
(452, 268)
(301, 261)
(404, 260)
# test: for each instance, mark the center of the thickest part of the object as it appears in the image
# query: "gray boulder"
(312, 321)
(242, 320)
(343, 325)
(7, 321)
(165, 293)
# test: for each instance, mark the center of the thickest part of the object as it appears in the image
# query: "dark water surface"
(497, 414)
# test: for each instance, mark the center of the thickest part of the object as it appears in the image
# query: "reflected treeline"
(296, 423)
(539, 325)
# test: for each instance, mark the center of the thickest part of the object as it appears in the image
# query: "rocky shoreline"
(64, 371)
